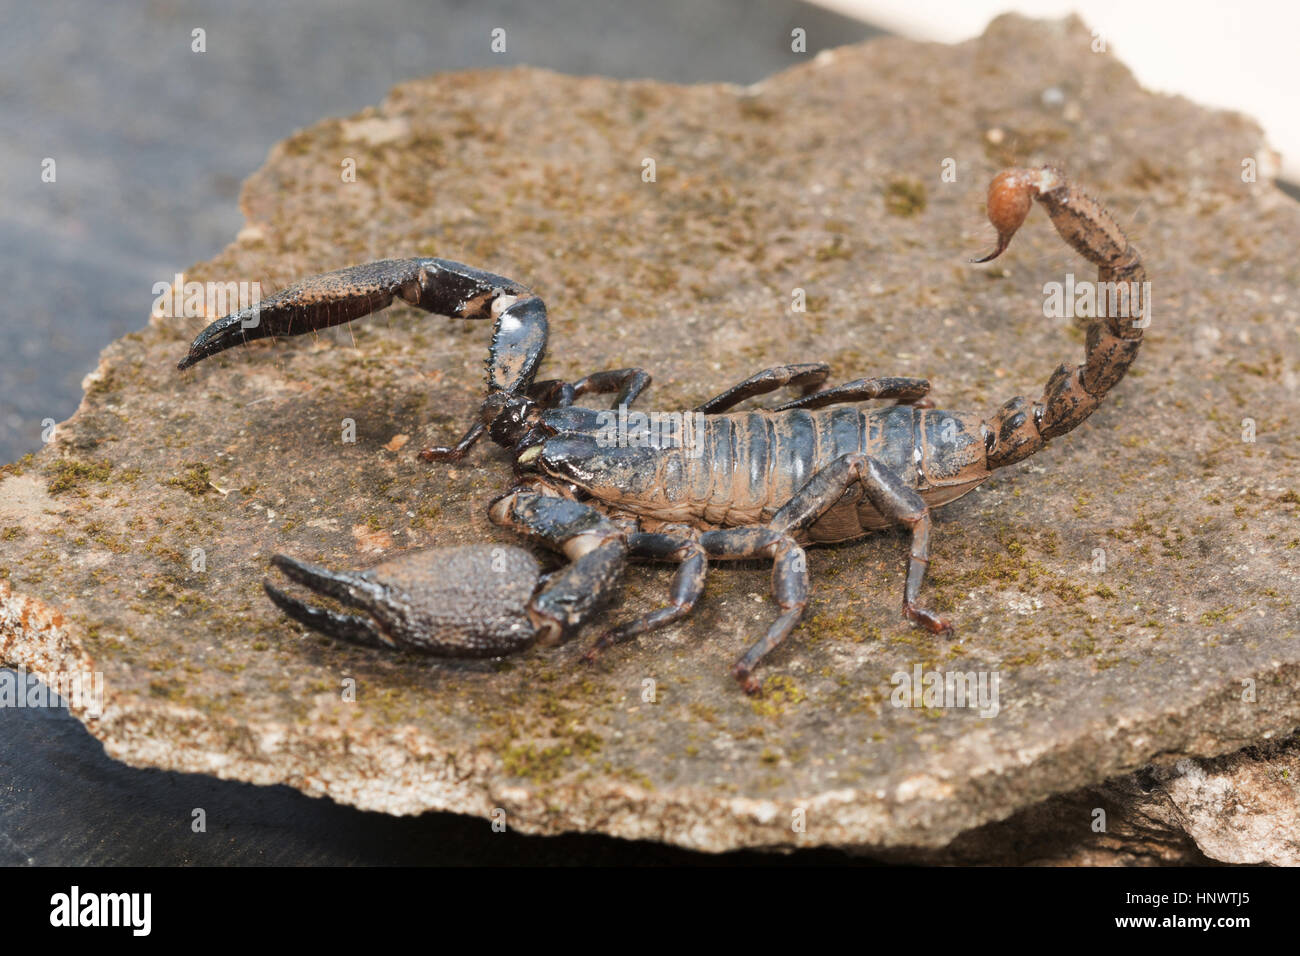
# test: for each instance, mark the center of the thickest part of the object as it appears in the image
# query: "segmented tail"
(1020, 428)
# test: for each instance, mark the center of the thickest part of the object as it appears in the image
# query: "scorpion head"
(509, 417)
(518, 345)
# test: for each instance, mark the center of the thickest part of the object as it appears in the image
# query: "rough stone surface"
(1241, 808)
(825, 178)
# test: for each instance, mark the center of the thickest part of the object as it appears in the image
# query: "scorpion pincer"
(756, 484)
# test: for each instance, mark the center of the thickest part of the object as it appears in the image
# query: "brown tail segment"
(1020, 428)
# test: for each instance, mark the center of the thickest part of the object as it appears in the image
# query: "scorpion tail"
(1020, 427)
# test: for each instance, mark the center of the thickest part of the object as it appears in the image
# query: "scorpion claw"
(472, 601)
(217, 337)
(345, 627)
(343, 585)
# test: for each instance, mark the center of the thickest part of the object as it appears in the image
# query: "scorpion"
(761, 483)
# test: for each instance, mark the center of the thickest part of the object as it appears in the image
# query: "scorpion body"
(759, 483)
(746, 465)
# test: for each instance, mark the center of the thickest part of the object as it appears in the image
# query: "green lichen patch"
(70, 475)
(196, 479)
(905, 197)
(779, 694)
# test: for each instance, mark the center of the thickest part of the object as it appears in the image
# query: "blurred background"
(151, 143)
(1236, 56)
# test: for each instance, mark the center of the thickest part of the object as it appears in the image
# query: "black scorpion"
(741, 484)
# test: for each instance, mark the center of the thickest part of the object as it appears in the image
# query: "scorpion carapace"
(603, 486)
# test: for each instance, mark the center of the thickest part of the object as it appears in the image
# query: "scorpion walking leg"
(457, 451)
(890, 496)
(807, 377)
(895, 500)
(777, 541)
(908, 391)
(688, 583)
(789, 586)
(595, 546)
(627, 382)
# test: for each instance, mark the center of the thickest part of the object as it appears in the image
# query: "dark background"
(151, 143)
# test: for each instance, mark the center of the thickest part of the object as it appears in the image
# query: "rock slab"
(1133, 588)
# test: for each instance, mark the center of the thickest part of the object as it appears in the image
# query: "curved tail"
(1020, 428)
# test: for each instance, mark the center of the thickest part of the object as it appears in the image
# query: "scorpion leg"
(777, 540)
(890, 496)
(908, 391)
(807, 377)
(789, 586)
(893, 499)
(457, 451)
(627, 382)
(688, 583)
